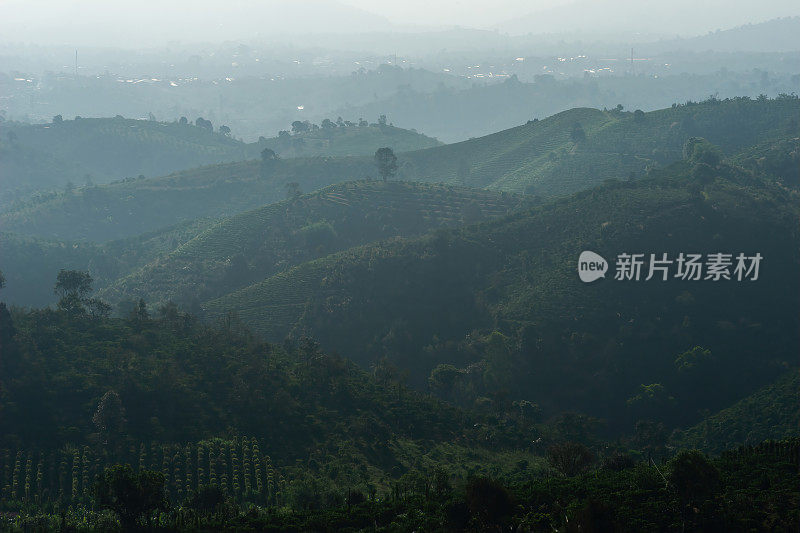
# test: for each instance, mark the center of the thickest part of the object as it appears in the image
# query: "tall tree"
(386, 162)
(73, 288)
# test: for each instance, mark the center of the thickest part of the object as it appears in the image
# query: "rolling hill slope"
(120, 210)
(771, 413)
(262, 242)
(565, 153)
(36, 157)
(30, 265)
(105, 150)
(558, 342)
(549, 158)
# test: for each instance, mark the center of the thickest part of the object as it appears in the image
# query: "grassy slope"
(539, 158)
(278, 236)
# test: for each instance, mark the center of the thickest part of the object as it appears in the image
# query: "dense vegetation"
(770, 413)
(392, 355)
(260, 243)
(224, 431)
(494, 313)
(194, 261)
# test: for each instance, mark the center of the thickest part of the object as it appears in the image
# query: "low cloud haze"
(149, 23)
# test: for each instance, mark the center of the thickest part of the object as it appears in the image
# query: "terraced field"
(264, 241)
(121, 210)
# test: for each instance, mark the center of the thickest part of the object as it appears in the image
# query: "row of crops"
(68, 475)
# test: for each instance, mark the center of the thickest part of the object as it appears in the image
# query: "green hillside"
(260, 243)
(120, 210)
(223, 432)
(501, 303)
(167, 385)
(36, 157)
(346, 140)
(771, 413)
(778, 158)
(424, 357)
(546, 158)
(46, 156)
(551, 157)
(30, 264)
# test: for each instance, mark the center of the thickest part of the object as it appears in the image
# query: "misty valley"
(394, 274)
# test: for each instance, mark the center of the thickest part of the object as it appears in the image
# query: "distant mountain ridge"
(627, 17)
(776, 35)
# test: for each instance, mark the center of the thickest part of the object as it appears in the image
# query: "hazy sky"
(154, 22)
(474, 13)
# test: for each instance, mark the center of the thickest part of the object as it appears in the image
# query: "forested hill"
(501, 301)
(568, 152)
(164, 381)
(212, 420)
(70, 153)
(259, 243)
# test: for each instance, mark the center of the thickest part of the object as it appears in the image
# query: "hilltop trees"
(300, 126)
(203, 123)
(386, 162)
